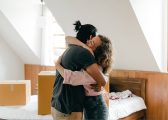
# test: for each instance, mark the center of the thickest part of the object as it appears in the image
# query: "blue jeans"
(95, 108)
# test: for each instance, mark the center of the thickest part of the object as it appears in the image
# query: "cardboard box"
(15, 92)
(45, 88)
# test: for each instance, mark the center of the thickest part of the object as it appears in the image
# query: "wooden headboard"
(136, 85)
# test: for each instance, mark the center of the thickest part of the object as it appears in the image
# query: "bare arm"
(95, 73)
(72, 77)
(75, 41)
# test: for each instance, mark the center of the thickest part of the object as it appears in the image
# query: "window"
(53, 40)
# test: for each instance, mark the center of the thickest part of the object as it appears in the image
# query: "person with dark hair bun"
(84, 32)
(67, 100)
(95, 107)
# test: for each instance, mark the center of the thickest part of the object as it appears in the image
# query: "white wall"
(150, 16)
(115, 19)
(11, 66)
(24, 16)
(16, 42)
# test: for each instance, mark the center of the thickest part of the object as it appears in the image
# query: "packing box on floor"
(45, 88)
(15, 92)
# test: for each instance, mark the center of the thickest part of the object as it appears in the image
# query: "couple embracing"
(80, 82)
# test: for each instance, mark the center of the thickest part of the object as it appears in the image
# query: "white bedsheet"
(120, 108)
(25, 112)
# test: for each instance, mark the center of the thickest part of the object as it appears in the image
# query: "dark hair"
(103, 54)
(84, 31)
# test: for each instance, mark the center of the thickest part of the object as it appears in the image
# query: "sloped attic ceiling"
(14, 40)
(113, 18)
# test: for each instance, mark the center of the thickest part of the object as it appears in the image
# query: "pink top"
(81, 78)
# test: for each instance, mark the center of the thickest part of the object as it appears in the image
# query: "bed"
(137, 86)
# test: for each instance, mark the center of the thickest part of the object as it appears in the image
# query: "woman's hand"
(96, 87)
(75, 41)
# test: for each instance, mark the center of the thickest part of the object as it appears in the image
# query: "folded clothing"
(120, 95)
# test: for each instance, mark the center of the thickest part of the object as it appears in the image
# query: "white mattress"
(120, 108)
(26, 112)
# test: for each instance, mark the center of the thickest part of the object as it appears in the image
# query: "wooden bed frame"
(137, 86)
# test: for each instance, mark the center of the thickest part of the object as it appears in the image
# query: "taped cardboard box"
(15, 92)
(45, 88)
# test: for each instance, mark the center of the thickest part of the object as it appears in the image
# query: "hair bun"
(77, 25)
